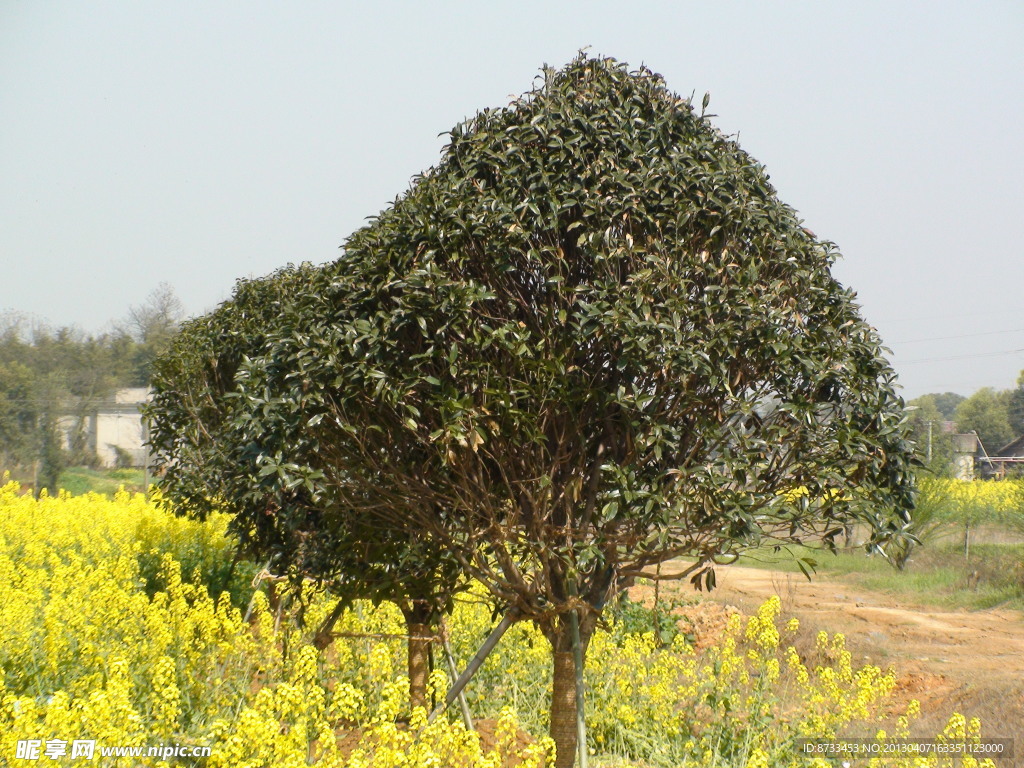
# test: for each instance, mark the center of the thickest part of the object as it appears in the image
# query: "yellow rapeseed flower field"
(995, 501)
(111, 630)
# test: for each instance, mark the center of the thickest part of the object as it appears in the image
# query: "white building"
(114, 430)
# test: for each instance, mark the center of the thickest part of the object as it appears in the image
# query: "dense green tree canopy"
(19, 414)
(596, 311)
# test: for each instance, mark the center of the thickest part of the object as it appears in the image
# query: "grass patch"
(79, 480)
(935, 575)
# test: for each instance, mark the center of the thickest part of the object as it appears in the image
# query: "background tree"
(55, 379)
(53, 456)
(946, 403)
(19, 415)
(223, 447)
(152, 325)
(600, 342)
(987, 412)
(1016, 407)
(926, 423)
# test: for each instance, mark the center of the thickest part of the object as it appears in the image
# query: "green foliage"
(996, 415)
(204, 424)
(945, 402)
(630, 617)
(1016, 407)
(193, 387)
(926, 424)
(49, 375)
(593, 328)
(987, 412)
(19, 414)
(52, 459)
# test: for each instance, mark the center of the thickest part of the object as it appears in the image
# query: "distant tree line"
(49, 374)
(996, 415)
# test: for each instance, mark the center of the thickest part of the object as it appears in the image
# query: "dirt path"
(968, 646)
(971, 661)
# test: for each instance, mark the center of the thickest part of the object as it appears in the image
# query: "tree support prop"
(581, 716)
(453, 671)
(492, 640)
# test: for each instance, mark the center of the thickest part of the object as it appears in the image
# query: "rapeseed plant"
(104, 636)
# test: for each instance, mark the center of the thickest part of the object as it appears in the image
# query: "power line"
(962, 357)
(944, 316)
(960, 336)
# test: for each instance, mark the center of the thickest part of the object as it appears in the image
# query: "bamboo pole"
(492, 640)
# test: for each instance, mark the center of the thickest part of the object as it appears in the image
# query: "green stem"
(581, 717)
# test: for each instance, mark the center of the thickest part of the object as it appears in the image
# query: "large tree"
(590, 340)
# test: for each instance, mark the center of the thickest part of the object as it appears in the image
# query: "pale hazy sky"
(199, 142)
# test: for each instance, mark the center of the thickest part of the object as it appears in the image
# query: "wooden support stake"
(492, 640)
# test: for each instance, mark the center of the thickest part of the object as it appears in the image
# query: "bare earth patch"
(966, 661)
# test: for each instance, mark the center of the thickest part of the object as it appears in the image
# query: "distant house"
(1008, 460)
(114, 430)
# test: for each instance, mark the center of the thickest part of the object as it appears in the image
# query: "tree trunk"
(418, 615)
(563, 708)
(419, 664)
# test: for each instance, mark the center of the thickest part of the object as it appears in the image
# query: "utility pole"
(145, 456)
(929, 442)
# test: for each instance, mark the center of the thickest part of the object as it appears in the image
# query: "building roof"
(1014, 448)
